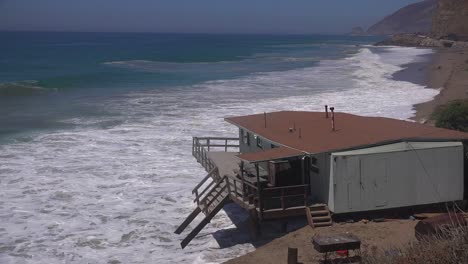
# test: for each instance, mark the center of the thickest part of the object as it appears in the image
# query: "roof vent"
(333, 117)
(326, 111)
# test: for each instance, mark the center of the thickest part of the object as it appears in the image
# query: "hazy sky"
(212, 16)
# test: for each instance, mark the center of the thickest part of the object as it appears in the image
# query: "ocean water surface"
(96, 130)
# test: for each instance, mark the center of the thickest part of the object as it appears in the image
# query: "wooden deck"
(226, 182)
(268, 202)
(227, 162)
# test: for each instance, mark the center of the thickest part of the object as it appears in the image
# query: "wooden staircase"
(318, 215)
(209, 205)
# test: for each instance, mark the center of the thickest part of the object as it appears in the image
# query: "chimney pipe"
(326, 111)
(333, 117)
(265, 117)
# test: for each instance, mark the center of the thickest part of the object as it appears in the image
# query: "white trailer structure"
(396, 175)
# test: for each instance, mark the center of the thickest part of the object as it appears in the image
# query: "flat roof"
(312, 132)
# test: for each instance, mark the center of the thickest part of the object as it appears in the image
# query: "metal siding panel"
(413, 177)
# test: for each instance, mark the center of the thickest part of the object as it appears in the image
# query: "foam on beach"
(100, 194)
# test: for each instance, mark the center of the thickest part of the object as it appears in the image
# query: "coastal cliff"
(449, 28)
(414, 18)
(451, 20)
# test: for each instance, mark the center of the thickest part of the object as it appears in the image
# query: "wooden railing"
(202, 145)
(268, 198)
(214, 174)
(200, 148)
(262, 198)
(287, 196)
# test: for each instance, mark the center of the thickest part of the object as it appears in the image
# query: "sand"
(448, 71)
(374, 236)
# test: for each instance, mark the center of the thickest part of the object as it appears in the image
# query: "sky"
(195, 16)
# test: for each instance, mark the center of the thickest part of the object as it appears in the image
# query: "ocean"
(96, 131)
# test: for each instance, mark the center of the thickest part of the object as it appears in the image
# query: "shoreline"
(448, 71)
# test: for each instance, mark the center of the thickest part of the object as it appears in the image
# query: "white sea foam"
(97, 195)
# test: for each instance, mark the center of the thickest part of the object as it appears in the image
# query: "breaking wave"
(22, 88)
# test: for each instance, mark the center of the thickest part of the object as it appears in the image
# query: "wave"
(22, 88)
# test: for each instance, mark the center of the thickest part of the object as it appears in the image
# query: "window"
(314, 165)
(314, 161)
(247, 138)
(259, 142)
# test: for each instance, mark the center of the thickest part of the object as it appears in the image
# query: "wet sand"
(448, 71)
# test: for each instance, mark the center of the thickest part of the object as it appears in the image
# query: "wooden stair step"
(318, 213)
(322, 224)
(321, 219)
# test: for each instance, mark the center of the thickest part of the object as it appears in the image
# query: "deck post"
(208, 144)
(259, 191)
(242, 178)
(225, 145)
(254, 225)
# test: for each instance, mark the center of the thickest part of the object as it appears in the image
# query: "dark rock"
(411, 40)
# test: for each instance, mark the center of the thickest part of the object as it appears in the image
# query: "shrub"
(453, 115)
(449, 247)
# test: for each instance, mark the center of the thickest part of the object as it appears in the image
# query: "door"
(374, 176)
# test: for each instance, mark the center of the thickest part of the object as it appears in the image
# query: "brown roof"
(270, 154)
(352, 131)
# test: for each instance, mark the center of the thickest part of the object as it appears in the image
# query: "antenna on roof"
(264, 117)
(326, 111)
(333, 117)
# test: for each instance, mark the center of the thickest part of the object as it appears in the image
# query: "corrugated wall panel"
(397, 179)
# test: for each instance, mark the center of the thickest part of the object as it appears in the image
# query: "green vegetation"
(453, 115)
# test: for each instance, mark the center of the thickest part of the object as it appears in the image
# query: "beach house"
(316, 164)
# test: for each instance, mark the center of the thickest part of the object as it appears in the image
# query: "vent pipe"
(326, 111)
(264, 117)
(333, 117)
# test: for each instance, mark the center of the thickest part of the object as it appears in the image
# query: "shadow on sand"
(243, 231)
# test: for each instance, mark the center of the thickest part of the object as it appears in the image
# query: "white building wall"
(396, 175)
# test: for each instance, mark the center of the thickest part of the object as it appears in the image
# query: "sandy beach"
(448, 71)
(374, 236)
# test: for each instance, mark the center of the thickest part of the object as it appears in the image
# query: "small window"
(242, 136)
(259, 142)
(314, 161)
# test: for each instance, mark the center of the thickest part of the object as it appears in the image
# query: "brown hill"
(414, 18)
(451, 20)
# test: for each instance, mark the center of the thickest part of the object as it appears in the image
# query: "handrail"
(219, 138)
(285, 187)
(216, 194)
(204, 180)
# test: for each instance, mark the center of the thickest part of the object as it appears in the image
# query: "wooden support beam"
(203, 223)
(188, 220)
(292, 255)
(254, 224)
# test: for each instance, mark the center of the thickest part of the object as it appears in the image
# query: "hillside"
(409, 19)
(451, 19)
